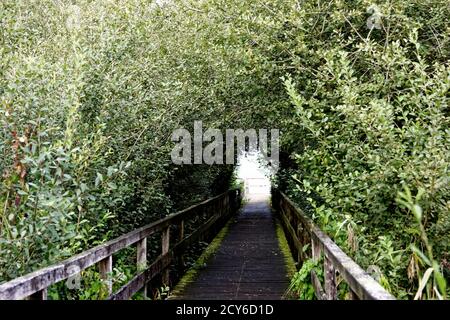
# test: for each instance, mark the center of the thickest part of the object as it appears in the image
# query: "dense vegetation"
(91, 91)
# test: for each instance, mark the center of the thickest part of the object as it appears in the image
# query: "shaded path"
(249, 263)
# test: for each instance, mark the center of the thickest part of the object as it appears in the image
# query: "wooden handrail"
(34, 285)
(300, 231)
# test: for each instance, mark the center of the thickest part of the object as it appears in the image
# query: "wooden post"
(300, 237)
(202, 211)
(141, 260)
(315, 247)
(39, 295)
(224, 207)
(330, 280)
(105, 268)
(320, 295)
(180, 238)
(165, 244)
(217, 208)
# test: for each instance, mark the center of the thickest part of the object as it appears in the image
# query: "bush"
(373, 108)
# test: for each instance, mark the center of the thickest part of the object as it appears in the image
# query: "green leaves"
(407, 200)
(421, 255)
(438, 285)
(98, 179)
(368, 119)
(301, 285)
(363, 112)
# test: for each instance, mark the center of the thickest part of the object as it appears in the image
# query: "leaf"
(423, 283)
(111, 171)
(99, 179)
(420, 254)
(417, 210)
(420, 193)
(83, 187)
(112, 185)
(440, 280)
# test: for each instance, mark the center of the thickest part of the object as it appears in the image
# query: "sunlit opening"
(251, 169)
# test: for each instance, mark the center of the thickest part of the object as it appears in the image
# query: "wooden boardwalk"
(249, 263)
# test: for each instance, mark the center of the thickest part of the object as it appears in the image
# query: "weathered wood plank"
(320, 294)
(141, 260)
(105, 270)
(300, 253)
(316, 249)
(330, 280)
(180, 257)
(165, 245)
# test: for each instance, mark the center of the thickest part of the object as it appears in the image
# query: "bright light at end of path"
(254, 173)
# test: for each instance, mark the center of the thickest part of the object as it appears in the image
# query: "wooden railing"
(300, 231)
(215, 212)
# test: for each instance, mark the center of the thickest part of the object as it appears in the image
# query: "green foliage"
(90, 92)
(437, 287)
(88, 102)
(301, 285)
(372, 106)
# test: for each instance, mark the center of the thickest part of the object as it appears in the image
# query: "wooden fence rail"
(301, 231)
(217, 210)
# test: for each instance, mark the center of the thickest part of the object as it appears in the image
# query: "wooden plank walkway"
(249, 263)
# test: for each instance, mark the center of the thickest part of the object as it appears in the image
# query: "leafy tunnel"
(91, 92)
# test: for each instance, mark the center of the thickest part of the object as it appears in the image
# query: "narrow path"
(249, 263)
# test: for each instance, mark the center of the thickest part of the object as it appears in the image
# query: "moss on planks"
(193, 272)
(284, 247)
